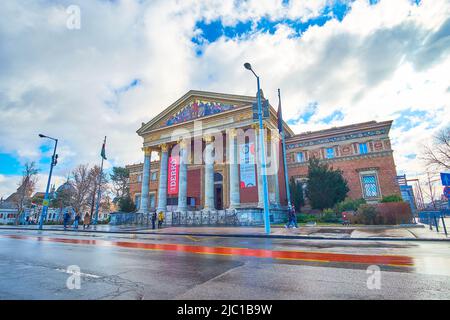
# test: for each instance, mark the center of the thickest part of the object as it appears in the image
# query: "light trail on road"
(324, 257)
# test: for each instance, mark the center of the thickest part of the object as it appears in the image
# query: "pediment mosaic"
(197, 109)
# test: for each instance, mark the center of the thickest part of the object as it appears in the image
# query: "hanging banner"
(247, 165)
(172, 177)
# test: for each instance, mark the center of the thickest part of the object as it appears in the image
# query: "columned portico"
(222, 186)
(182, 191)
(162, 186)
(143, 208)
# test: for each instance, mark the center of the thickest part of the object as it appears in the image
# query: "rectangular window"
(363, 148)
(300, 157)
(139, 178)
(152, 200)
(154, 176)
(370, 187)
(137, 201)
(329, 153)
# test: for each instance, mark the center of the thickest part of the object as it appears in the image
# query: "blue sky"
(336, 62)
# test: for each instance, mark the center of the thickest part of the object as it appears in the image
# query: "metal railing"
(433, 219)
(199, 218)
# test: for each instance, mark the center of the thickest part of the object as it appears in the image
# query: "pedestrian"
(153, 219)
(86, 221)
(160, 219)
(289, 216)
(66, 219)
(76, 221)
(294, 217)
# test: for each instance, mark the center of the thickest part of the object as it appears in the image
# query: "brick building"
(362, 151)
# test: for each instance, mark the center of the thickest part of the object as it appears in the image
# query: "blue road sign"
(447, 192)
(445, 178)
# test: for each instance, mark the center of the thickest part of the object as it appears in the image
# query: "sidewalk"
(413, 232)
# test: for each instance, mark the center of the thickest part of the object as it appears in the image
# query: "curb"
(257, 236)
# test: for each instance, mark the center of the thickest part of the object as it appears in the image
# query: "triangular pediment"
(196, 105)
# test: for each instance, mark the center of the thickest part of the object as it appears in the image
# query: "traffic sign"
(445, 178)
(447, 192)
(45, 202)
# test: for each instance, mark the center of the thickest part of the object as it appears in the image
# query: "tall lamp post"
(262, 153)
(45, 203)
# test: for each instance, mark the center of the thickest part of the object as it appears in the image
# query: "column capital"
(232, 133)
(147, 150)
(164, 147)
(183, 142)
(208, 138)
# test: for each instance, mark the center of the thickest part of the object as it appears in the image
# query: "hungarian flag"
(280, 114)
(103, 153)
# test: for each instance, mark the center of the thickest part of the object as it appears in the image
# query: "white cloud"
(379, 60)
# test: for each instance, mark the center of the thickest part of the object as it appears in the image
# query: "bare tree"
(94, 175)
(82, 184)
(26, 188)
(430, 190)
(437, 156)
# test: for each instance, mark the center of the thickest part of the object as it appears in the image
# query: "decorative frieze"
(335, 139)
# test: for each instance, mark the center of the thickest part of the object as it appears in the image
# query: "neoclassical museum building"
(201, 161)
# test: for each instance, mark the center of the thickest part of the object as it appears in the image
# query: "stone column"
(162, 187)
(209, 174)
(182, 187)
(145, 180)
(274, 142)
(258, 167)
(235, 197)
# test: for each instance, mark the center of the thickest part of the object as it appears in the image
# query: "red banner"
(174, 168)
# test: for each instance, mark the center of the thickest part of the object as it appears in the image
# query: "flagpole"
(99, 186)
(283, 149)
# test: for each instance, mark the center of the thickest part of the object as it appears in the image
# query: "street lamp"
(45, 203)
(248, 66)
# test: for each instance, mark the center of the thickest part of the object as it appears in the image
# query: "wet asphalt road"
(33, 265)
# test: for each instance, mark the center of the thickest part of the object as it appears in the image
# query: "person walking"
(160, 219)
(66, 218)
(76, 221)
(86, 221)
(294, 217)
(153, 220)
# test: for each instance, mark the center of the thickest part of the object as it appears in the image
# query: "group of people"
(77, 219)
(157, 217)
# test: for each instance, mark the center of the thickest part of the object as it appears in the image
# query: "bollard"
(436, 222)
(443, 224)
(429, 221)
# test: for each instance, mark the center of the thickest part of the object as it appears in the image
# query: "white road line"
(81, 273)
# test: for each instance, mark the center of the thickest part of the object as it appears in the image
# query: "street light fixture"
(45, 203)
(248, 66)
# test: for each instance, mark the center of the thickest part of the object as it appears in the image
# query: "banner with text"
(247, 165)
(174, 168)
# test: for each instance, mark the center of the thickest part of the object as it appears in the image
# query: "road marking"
(81, 273)
(390, 260)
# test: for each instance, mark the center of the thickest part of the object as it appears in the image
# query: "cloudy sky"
(336, 62)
